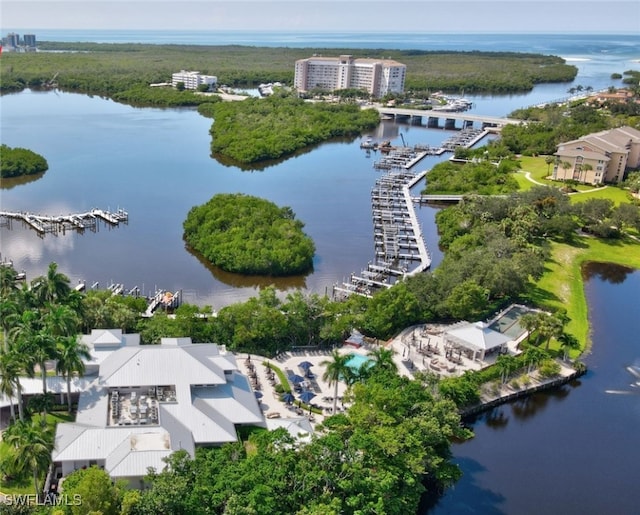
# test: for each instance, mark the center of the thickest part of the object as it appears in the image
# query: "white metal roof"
(208, 404)
(477, 336)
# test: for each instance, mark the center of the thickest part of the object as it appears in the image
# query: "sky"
(452, 16)
(446, 16)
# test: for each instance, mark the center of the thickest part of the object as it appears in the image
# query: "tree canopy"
(258, 129)
(245, 234)
(15, 162)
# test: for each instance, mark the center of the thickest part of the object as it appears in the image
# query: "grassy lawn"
(562, 285)
(539, 170)
(617, 195)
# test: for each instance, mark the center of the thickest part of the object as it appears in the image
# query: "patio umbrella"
(288, 397)
(258, 395)
(306, 396)
(305, 365)
(296, 379)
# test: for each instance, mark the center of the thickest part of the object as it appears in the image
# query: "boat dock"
(79, 222)
(464, 138)
(163, 299)
(400, 250)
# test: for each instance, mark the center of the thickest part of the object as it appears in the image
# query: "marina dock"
(400, 250)
(44, 224)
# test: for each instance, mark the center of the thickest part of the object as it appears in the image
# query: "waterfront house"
(147, 401)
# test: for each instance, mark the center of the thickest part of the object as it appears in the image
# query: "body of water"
(568, 451)
(573, 450)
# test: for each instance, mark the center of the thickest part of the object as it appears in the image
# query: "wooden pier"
(400, 250)
(79, 222)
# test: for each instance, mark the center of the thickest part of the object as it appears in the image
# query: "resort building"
(375, 76)
(147, 401)
(599, 158)
(192, 79)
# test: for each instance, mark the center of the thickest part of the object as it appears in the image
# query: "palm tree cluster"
(40, 323)
(337, 369)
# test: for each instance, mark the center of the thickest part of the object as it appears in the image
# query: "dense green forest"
(15, 162)
(249, 235)
(258, 129)
(106, 68)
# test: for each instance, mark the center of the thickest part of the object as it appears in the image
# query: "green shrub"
(549, 368)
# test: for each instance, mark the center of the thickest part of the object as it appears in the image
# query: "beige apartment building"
(376, 76)
(602, 157)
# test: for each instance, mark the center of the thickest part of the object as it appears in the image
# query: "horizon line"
(332, 31)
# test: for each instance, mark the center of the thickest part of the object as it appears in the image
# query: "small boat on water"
(369, 144)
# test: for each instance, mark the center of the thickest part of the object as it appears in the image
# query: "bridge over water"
(450, 118)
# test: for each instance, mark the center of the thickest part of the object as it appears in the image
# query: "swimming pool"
(356, 361)
(507, 323)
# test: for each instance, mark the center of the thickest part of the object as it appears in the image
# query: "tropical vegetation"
(260, 129)
(553, 124)
(246, 234)
(15, 162)
(106, 69)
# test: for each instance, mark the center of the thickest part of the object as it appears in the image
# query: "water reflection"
(496, 418)
(12, 182)
(249, 281)
(471, 496)
(614, 274)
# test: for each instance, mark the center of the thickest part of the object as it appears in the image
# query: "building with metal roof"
(148, 401)
(598, 158)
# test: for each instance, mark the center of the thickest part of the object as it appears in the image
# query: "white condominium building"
(376, 76)
(192, 80)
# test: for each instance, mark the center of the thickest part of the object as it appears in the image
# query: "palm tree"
(71, 352)
(383, 358)
(9, 310)
(549, 160)
(506, 363)
(551, 326)
(60, 320)
(533, 356)
(529, 322)
(586, 167)
(52, 287)
(336, 369)
(31, 447)
(9, 382)
(568, 342)
(8, 280)
(43, 348)
(565, 166)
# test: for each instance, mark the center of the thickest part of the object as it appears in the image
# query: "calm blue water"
(556, 44)
(356, 361)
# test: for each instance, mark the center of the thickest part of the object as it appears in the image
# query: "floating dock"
(44, 224)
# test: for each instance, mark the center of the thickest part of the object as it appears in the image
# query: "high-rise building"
(376, 76)
(13, 40)
(29, 40)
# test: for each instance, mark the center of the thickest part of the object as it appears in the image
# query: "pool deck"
(419, 348)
